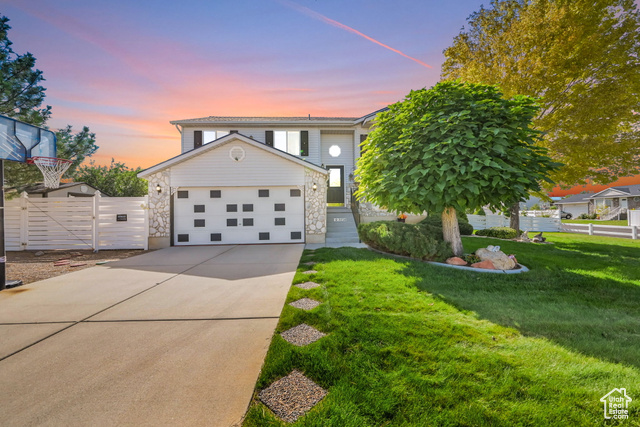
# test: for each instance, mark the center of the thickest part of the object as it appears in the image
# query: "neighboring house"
(68, 189)
(613, 200)
(576, 204)
(254, 179)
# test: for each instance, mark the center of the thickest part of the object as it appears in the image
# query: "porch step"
(341, 227)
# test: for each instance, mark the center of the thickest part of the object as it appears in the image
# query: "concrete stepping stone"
(305, 303)
(292, 396)
(309, 272)
(310, 263)
(302, 335)
(307, 285)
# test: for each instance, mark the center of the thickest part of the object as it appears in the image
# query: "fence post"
(96, 221)
(634, 232)
(24, 221)
(590, 229)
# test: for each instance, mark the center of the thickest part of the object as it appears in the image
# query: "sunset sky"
(125, 68)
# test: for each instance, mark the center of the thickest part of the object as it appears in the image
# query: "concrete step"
(342, 236)
(336, 240)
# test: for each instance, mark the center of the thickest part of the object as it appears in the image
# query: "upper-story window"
(212, 135)
(293, 142)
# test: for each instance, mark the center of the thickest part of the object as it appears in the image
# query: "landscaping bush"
(422, 241)
(498, 232)
(587, 216)
(435, 220)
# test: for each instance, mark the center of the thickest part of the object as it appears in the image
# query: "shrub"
(587, 216)
(435, 220)
(498, 232)
(422, 241)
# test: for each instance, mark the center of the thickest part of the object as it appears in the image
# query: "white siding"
(216, 168)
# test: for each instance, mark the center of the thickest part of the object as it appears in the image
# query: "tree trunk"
(450, 230)
(514, 220)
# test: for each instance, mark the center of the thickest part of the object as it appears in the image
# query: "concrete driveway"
(171, 337)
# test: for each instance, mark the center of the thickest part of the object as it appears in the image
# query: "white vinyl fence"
(603, 230)
(76, 223)
(480, 222)
(634, 218)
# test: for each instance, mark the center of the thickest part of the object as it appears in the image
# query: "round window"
(334, 151)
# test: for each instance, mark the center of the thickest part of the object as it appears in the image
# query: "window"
(183, 194)
(263, 193)
(279, 207)
(232, 222)
(247, 208)
(198, 208)
(263, 236)
(216, 237)
(232, 208)
(183, 237)
(215, 194)
(198, 222)
(293, 142)
(212, 135)
(280, 221)
(247, 222)
(294, 193)
(296, 235)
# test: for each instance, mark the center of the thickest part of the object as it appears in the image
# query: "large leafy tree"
(581, 58)
(117, 179)
(21, 97)
(454, 147)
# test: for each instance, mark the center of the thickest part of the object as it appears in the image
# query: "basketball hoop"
(52, 169)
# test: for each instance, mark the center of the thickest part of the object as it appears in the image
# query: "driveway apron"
(171, 337)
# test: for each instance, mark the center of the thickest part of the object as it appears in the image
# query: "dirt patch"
(29, 268)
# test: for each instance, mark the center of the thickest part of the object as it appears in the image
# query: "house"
(242, 180)
(576, 204)
(66, 189)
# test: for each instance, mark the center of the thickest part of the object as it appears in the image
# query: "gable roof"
(223, 141)
(576, 198)
(40, 188)
(628, 190)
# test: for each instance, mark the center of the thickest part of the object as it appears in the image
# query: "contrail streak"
(330, 21)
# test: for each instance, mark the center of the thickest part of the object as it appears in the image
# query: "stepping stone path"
(310, 263)
(309, 272)
(305, 303)
(307, 285)
(302, 335)
(292, 396)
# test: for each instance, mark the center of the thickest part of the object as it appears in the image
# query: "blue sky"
(126, 68)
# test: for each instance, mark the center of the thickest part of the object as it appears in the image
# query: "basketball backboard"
(20, 141)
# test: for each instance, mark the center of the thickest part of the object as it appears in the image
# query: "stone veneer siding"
(159, 205)
(315, 203)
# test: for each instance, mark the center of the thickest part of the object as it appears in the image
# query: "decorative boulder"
(499, 259)
(486, 264)
(454, 260)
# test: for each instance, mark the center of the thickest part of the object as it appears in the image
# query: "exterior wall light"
(314, 186)
(158, 189)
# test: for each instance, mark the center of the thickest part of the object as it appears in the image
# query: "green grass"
(415, 344)
(596, 221)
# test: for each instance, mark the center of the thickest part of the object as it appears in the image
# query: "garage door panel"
(238, 215)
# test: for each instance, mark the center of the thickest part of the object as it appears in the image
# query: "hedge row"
(498, 232)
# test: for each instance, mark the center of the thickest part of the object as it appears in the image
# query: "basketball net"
(52, 169)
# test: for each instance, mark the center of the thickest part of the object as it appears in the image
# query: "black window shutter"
(268, 138)
(363, 137)
(197, 138)
(304, 143)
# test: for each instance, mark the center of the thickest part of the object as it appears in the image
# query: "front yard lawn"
(596, 221)
(411, 343)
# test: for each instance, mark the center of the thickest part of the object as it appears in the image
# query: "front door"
(335, 192)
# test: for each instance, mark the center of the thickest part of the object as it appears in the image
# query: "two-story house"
(254, 179)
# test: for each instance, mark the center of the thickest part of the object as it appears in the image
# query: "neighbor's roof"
(39, 187)
(576, 198)
(631, 190)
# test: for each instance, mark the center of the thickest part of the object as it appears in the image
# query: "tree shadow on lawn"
(586, 302)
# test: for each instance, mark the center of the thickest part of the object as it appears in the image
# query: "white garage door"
(232, 215)
(576, 209)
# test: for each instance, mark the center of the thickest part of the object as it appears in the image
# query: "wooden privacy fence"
(76, 223)
(480, 222)
(603, 230)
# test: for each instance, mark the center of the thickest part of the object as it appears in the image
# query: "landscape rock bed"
(292, 396)
(302, 335)
(305, 304)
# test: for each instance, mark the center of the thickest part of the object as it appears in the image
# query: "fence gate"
(76, 223)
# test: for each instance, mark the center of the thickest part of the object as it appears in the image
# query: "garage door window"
(296, 235)
(232, 222)
(216, 237)
(279, 207)
(183, 194)
(247, 222)
(263, 193)
(294, 193)
(280, 221)
(198, 208)
(247, 208)
(215, 194)
(232, 208)
(263, 236)
(183, 237)
(198, 222)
